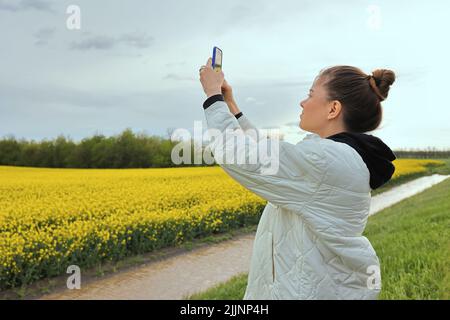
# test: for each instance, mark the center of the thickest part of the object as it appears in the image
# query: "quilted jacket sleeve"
(249, 128)
(288, 177)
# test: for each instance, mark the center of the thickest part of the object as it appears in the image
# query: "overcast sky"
(134, 64)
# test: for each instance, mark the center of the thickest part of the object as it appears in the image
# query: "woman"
(309, 242)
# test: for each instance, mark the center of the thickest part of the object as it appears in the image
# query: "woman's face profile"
(315, 108)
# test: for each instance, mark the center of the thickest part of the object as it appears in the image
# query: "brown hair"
(360, 94)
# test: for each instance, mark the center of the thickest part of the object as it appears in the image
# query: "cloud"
(176, 77)
(138, 40)
(94, 42)
(174, 64)
(291, 124)
(78, 111)
(43, 36)
(252, 100)
(265, 13)
(91, 100)
(100, 42)
(288, 83)
(40, 5)
(270, 127)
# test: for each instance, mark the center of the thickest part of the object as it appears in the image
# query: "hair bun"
(384, 78)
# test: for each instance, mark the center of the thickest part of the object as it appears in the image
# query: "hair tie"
(373, 84)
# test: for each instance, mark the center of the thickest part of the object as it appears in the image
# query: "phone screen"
(217, 59)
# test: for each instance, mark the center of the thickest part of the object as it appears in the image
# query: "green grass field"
(412, 241)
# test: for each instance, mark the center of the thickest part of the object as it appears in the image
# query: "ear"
(334, 110)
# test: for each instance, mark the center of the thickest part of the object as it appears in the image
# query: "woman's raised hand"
(227, 91)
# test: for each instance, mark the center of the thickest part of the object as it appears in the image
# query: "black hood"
(375, 153)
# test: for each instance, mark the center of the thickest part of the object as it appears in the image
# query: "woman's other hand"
(227, 91)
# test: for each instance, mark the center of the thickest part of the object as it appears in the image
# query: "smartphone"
(217, 59)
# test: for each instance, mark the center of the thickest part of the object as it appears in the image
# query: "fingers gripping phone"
(217, 59)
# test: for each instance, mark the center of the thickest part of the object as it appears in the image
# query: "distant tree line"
(429, 153)
(126, 150)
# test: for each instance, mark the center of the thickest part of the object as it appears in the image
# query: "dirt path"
(173, 278)
(199, 269)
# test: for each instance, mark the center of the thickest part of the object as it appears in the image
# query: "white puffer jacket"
(309, 242)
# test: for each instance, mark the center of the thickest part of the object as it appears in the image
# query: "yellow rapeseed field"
(410, 166)
(52, 218)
